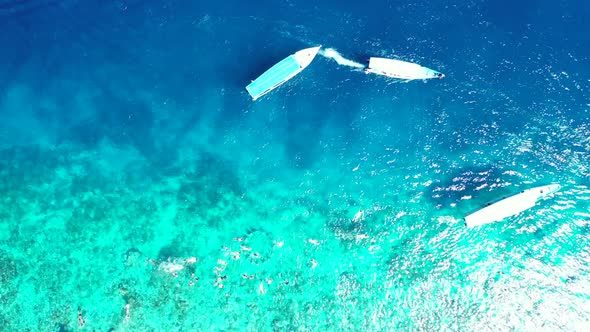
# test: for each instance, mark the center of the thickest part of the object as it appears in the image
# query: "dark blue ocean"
(141, 188)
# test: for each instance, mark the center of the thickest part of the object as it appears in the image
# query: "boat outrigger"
(509, 206)
(401, 69)
(281, 72)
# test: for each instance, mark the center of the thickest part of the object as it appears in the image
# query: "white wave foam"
(333, 54)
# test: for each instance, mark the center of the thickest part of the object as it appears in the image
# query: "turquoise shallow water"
(142, 189)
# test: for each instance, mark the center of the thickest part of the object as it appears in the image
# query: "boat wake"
(333, 54)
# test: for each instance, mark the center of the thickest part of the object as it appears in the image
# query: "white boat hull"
(510, 206)
(401, 69)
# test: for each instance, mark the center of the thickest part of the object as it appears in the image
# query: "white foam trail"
(333, 54)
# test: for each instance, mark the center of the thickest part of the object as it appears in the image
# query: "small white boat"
(281, 72)
(509, 206)
(401, 69)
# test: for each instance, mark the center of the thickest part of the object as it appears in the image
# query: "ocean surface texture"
(141, 188)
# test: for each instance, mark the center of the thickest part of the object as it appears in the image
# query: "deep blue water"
(123, 121)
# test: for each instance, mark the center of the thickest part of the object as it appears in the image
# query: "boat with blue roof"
(281, 72)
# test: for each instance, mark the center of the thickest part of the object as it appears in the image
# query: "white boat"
(281, 72)
(401, 69)
(509, 206)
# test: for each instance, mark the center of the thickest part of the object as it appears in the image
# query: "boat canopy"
(281, 72)
(274, 76)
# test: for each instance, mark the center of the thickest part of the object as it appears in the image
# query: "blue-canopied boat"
(281, 72)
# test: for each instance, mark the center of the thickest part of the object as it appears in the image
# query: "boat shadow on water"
(457, 186)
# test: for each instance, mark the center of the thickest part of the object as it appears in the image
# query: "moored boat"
(401, 69)
(281, 72)
(509, 206)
